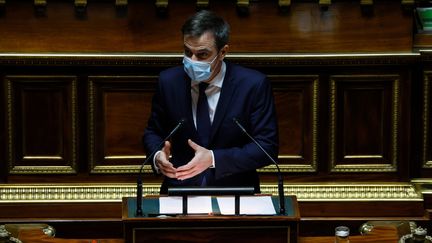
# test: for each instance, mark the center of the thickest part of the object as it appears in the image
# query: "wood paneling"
(353, 102)
(296, 99)
(364, 123)
(42, 126)
(305, 28)
(119, 108)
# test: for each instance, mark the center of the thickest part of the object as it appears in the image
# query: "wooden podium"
(208, 228)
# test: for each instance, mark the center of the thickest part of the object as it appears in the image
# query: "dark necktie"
(203, 122)
(202, 116)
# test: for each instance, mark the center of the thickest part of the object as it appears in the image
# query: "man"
(210, 149)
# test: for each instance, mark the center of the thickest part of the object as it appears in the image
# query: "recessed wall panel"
(119, 108)
(42, 124)
(296, 106)
(364, 123)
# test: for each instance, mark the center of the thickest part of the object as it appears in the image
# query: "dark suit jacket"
(246, 95)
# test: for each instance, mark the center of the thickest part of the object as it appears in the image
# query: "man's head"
(205, 39)
(206, 21)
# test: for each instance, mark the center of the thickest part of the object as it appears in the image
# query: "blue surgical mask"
(198, 70)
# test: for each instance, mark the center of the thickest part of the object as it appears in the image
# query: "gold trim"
(202, 4)
(315, 105)
(120, 169)
(9, 122)
(125, 157)
(91, 122)
(426, 101)
(395, 97)
(161, 3)
(121, 3)
(169, 59)
(284, 3)
(40, 3)
(423, 185)
(363, 156)
(42, 170)
(244, 55)
(407, 2)
(43, 157)
(290, 157)
(324, 2)
(312, 167)
(80, 3)
(243, 3)
(74, 126)
(332, 137)
(366, 2)
(96, 166)
(332, 123)
(349, 191)
(74, 193)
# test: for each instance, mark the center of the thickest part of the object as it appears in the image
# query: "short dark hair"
(204, 21)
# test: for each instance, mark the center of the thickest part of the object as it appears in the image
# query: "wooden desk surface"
(37, 236)
(379, 234)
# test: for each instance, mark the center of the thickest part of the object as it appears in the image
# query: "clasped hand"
(201, 161)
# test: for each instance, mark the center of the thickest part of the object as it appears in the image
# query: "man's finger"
(193, 145)
(185, 167)
(186, 174)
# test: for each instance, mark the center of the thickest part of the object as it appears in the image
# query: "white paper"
(196, 205)
(249, 205)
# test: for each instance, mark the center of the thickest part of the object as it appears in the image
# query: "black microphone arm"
(139, 179)
(280, 178)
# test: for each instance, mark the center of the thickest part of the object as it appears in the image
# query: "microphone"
(139, 179)
(280, 179)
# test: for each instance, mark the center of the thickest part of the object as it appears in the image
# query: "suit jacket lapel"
(225, 97)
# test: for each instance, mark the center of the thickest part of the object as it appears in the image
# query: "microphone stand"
(280, 178)
(139, 211)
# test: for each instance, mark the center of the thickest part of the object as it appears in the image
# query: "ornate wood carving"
(243, 7)
(115, 192)
(364, 123)
(324, 4)
(80, 7)
(427, 117)
(42, 124)
(161, 7)
(121, 3)
(296, 99)
(284, 5)
(118, 113)
(40, 7)
(202, 4)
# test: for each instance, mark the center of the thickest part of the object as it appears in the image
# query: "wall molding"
(79, 192)
(169, 59)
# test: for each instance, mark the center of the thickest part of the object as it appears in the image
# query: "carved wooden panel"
(41, 124)
(119, 107)
(364, 123)
(427, 117)
(296, 98)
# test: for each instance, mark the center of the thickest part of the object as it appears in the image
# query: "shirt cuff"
(154, 162)
(213, 160)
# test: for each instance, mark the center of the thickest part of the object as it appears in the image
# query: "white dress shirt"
(213, 93)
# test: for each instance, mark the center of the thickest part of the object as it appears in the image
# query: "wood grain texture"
(305, 28)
